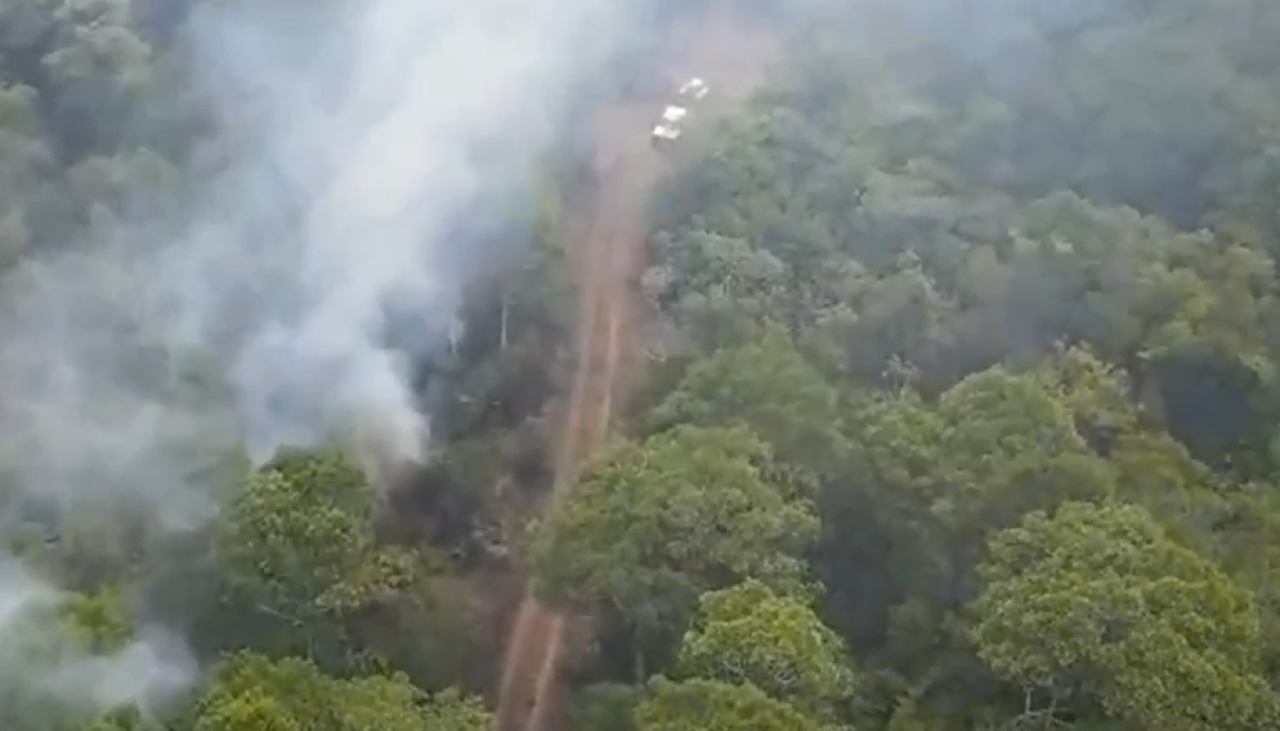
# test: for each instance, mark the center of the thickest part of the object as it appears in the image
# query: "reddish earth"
(608, 245)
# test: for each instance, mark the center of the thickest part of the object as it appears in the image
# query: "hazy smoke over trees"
(236, 225)
(348, 139)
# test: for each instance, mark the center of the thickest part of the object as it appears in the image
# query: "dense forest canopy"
(959, 411)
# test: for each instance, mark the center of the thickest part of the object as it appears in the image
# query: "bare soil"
(608, 246)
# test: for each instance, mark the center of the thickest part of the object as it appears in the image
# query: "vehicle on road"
(694, 89)
(671, 124)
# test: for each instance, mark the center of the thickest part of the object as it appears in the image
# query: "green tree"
(750, 634)
(710, 705)
(768, 386)
(606, 705)
(653, 525)
(1097, 603)
(45, 633)
(97, 622)
(253, 692)
(297, 543)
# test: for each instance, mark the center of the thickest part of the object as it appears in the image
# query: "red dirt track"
(607, 244)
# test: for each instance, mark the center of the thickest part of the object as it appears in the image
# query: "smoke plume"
(350, 139)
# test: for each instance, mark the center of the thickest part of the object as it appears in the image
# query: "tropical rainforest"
(959, 411)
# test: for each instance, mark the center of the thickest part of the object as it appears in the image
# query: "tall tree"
(1097, 604)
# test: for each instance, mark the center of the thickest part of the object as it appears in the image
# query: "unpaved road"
(608, 246)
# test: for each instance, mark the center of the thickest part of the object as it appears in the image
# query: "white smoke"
(42, 667)
(374, 135)
(353, 135)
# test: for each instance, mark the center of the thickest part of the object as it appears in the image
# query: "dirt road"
(608, 245)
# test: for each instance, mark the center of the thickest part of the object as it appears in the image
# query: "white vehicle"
(694, 89)
(668, 127)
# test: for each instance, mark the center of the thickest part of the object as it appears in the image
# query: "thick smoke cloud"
(352, 137)
(365, 151)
